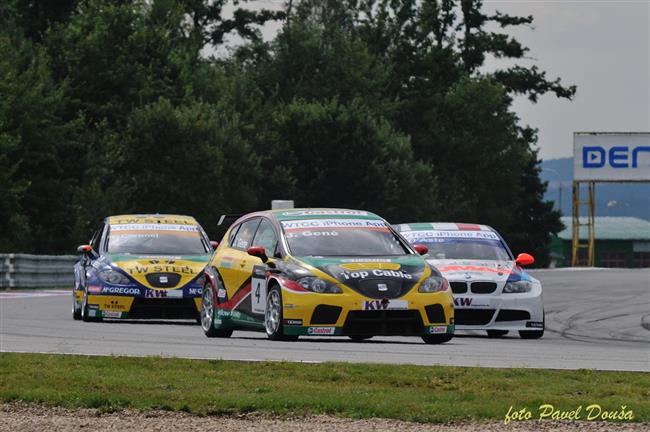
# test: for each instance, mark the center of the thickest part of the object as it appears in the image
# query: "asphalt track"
(596, 319)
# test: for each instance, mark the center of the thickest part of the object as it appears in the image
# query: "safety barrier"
(36, 271)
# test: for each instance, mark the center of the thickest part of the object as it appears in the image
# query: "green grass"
(416, 393)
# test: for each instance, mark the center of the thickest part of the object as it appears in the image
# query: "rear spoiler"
(230, 218)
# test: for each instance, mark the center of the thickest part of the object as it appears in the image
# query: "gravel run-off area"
(36, 418)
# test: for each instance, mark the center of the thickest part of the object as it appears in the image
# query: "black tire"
(84, 310)
(76, 313)
(208, 313)
(273, 316)
(496, 333)
(357, 338)
(534, 334)
(437, 339)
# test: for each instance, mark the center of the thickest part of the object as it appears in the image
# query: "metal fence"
(36, 271)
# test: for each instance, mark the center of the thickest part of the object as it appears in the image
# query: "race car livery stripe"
(155, 233)
(468, 227)
(451, 268)
(333, 223)
(238, 297)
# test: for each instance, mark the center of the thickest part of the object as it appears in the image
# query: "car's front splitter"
(297, 330)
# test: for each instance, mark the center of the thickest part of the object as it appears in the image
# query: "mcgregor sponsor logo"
(120, 290)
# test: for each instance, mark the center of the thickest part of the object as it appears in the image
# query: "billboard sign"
(608, 156)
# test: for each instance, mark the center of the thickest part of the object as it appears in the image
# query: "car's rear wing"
(228, 218)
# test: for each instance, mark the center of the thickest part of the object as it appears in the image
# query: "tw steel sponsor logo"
(120, 290)
(463, 301)
(167, 268)
(321, 330)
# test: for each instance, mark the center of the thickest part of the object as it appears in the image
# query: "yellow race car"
(323, 272)
(142, 267)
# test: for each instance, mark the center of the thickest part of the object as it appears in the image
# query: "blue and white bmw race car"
(491, 290)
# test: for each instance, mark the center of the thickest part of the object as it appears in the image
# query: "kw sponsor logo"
(463, 301)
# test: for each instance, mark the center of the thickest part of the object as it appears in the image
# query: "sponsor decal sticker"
(535, 324)
(324, 224)
(120, 290)
(94, 289)
(463, 301)
(153, 227)
(195, 291)
(293, 322)
(321, 330)
(423, 235)
(385, 304)
(111, 314)
(397, 274)
(325, 213)
(438, 329)
(221, 293)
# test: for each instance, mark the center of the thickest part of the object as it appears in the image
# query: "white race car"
(491, 290)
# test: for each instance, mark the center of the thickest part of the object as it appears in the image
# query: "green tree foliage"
(110, 107)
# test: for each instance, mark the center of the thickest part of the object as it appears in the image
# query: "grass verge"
(415, 393)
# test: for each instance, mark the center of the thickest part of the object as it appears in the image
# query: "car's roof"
(151, 218)
(315, 213)
(442, 226)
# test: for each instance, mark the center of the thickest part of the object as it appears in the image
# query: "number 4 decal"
(258, 290)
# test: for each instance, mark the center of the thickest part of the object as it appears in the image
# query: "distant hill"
(612, 199)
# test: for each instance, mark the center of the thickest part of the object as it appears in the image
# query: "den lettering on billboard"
(611, 156)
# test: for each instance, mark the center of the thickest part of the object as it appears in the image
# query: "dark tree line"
(114, 106)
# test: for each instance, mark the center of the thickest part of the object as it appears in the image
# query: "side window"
(244, 237)
(231, 237)
(266, 237)
(94, 242)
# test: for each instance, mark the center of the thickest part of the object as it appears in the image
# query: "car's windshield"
(341, 237)
(155, 239)
(473, 245)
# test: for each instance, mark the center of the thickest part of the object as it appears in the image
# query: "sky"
(603, 47)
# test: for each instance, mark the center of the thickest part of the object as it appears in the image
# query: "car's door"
(267, 238)
(234, 264)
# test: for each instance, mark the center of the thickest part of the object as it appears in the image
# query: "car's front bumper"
(499, 312)
(105, 301)
(348, 314)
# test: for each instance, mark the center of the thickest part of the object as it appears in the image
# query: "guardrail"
(36, 271)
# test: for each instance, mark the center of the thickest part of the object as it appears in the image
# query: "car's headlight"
(433, 284)
(114, 277)
(517, 287)
(318, 285)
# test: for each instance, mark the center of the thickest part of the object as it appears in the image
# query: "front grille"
(325, 314)
(435, 313)
(384, 323)
(163, 280)
(473, 316)
(458, 287)
(162, 308)
(512, 315)
(383, 288)
(483, 287)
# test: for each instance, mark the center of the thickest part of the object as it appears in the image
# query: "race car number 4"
(385, 304)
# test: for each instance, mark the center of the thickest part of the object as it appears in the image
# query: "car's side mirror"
(84, 249)
(258, 251)
(421, 249)
(214, 244)
(524, 259)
